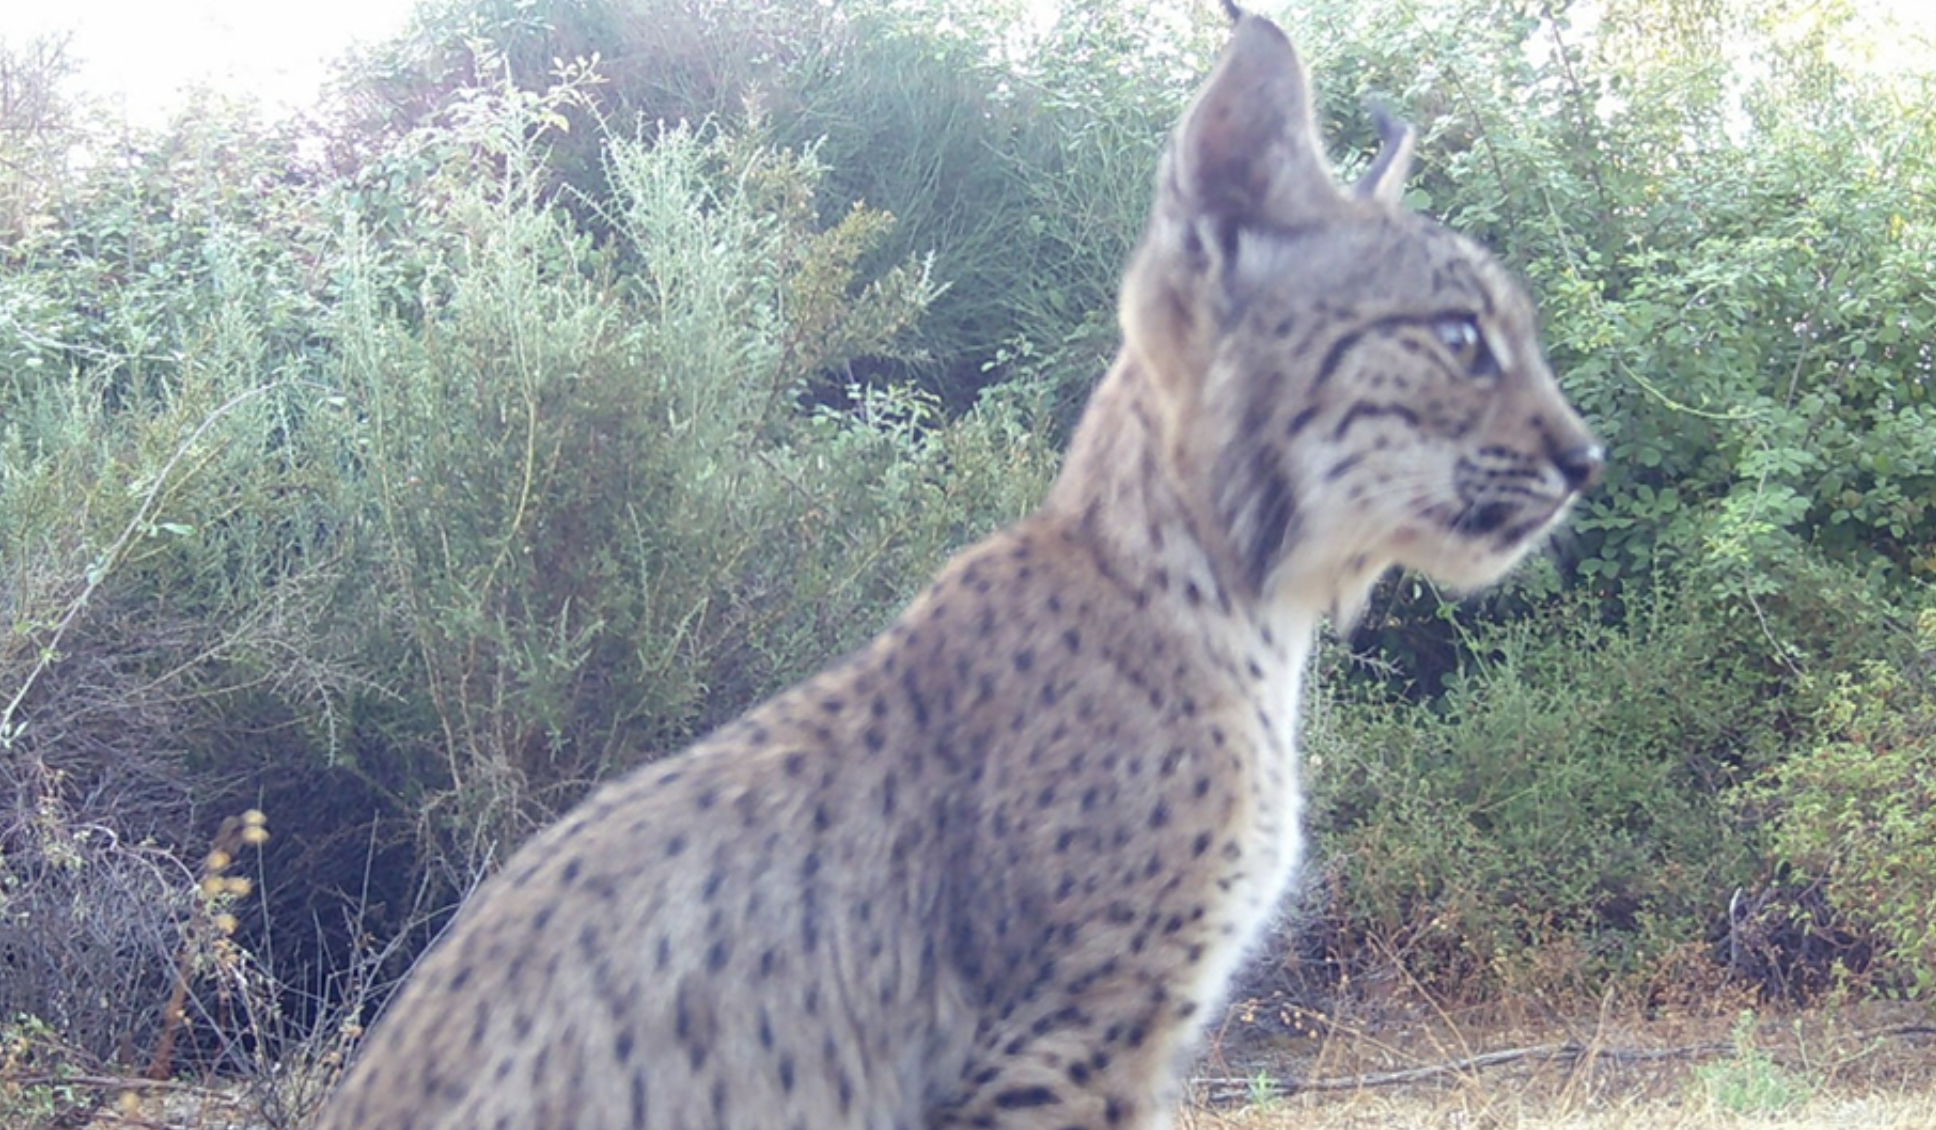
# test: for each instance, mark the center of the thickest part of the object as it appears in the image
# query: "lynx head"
(1344, 384)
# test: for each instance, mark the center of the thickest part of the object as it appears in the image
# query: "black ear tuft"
(1384, 181)
(1231, 10)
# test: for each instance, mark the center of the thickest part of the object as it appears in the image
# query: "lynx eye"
(1462, 338)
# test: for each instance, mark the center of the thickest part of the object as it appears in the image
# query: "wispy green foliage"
(415, 482)
(1018, 160)
(612, 523)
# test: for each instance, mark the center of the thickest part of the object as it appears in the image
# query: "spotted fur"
(996, 869)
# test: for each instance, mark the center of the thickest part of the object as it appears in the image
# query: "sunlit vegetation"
(589, 369)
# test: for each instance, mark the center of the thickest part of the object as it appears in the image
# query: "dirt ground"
(1869, 1066)
(1864, 1067)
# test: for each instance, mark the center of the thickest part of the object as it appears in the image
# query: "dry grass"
(1503, 1108)
(1869, 1067)
(1860, 1066)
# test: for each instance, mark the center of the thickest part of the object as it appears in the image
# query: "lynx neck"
(1126, 485)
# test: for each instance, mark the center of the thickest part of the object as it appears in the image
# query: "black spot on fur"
(1276, 522)
(1022, 1098)
(917, 703)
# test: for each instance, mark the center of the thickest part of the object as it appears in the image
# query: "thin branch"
(110, 1083)
(1577, 90)
(1225, 1089)
(110, 558)
(1230, 1090)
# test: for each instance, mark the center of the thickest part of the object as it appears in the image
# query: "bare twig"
(111, 557)
(110, 1083)
(1224, 1089)
(1229, 1090)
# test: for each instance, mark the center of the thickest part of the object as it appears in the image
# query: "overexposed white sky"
(141, 54)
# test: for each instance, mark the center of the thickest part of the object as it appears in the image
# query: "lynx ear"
(1384, 181)
(1248, 150)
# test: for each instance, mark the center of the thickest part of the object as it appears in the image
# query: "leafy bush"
(1730, 261)
(1560, 797)
(36, 129)
(1859, 806)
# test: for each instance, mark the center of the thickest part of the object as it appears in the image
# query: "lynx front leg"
(1115, 1077)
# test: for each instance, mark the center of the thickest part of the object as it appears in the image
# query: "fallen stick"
(1221, 1090)
(1225, 1089)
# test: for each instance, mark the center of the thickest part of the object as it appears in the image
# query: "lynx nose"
(1580, 464)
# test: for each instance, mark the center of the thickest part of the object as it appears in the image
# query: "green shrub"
(1559, 797)
(1020, 163)
(1749, 1081)
(609, 523)
(399, 503)
(1857, 806)
(33, 1049)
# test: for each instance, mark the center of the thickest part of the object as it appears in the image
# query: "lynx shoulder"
(996, 869)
